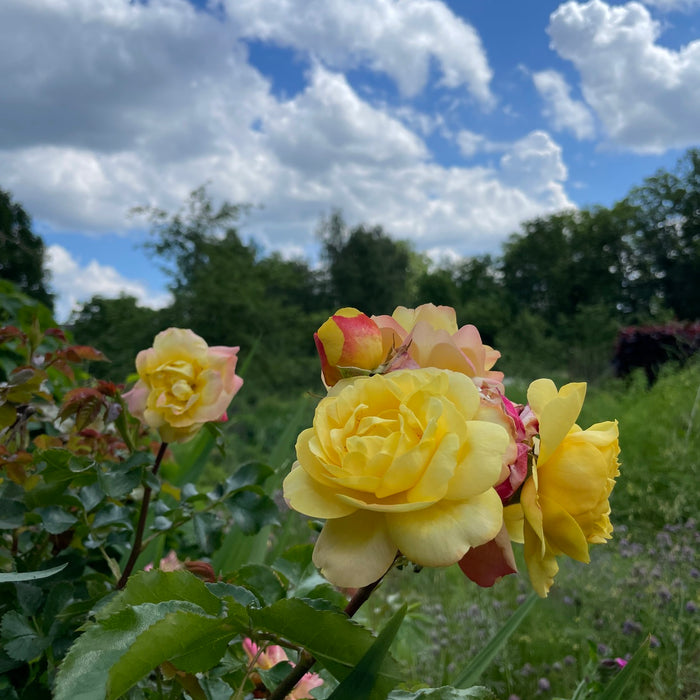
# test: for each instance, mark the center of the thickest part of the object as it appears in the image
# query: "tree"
(225, 291)
(22, 253)
(119, 327)
(666, 239)
(366, 268)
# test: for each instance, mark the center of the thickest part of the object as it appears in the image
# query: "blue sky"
(449, 123)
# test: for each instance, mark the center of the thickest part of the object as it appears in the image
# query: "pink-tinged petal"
(356, 550)
(517, 472)
(250, 648)
(303, 688)
(137, 399)
(441, 534)
(490, 562)
(273, 655)
(225, 359)
(311, 498)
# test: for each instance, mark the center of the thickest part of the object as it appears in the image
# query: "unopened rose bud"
(348, 341)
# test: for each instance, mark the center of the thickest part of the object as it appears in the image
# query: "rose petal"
(441, 534)
(311, 498)
(354, 551)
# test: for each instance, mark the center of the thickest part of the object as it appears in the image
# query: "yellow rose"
(564, 504)
(399, 462)
(183, 383)
(432, 339)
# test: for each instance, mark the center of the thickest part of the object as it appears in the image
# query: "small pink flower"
(273, 655)
(303, 688)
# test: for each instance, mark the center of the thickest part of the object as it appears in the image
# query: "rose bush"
(183, 383)
(564, 503)
(400, 462)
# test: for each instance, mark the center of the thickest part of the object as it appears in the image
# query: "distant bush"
(649, 347)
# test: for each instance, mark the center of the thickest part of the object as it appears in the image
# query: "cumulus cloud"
(399, 38)
(647, 96)
(565, 113)
(151, 100)
(75, 283)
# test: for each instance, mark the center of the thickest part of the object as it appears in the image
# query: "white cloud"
(470, 143)
(646, 96)
(673, 5)
(328, 124)
(150, 100)
(75, 283)
(534, 164)
(399, 38)
(564, 112)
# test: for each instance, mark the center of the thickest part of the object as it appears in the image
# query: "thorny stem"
(138, 538)
(306, 660)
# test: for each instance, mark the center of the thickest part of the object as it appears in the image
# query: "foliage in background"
(22, 252)
(553, 302)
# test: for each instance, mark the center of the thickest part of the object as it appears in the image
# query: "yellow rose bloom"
(564, 504)
(399, 462)
(183, 383)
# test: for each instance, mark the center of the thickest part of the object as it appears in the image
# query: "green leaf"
(251, 511)
(248, 474)
(237, 594)
(12, 514)
(56, 520)
(336, 641)
(261, 581)
(118, 480)
(191, 641)
(29, 597)
(84, 673)
(31, 575)
(112, 515)
(20, 640)
(160, 522)
(359, 684)
(446, 692)
(90, 496)
(614, 690)
(481, 661)
(157, 586)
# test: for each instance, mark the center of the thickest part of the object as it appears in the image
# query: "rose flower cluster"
(417, 452)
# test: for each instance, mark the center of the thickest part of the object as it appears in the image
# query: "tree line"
(553, 300)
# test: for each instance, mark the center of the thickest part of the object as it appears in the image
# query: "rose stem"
(138, 538)
(306, 660)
